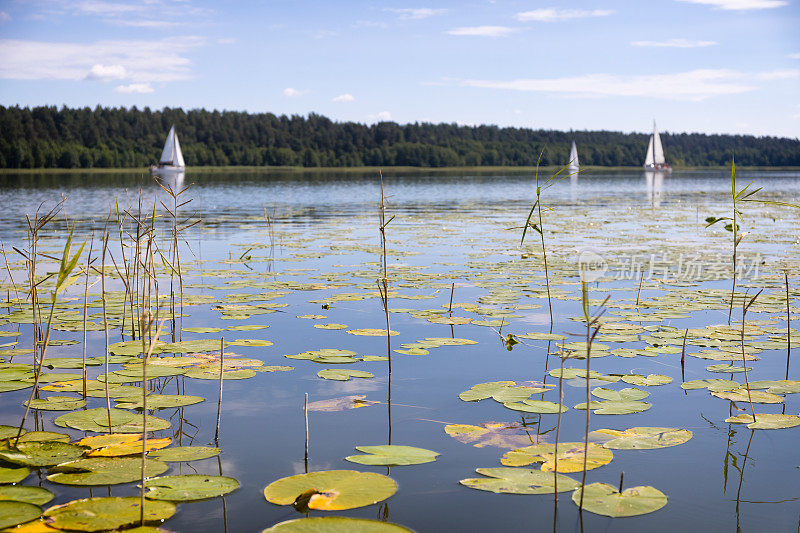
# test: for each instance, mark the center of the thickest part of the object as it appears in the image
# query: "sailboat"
(171, 161)
(574, 165)
(654, 160)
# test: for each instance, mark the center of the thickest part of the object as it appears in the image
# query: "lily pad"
(640, 438)
(727, 368)
(498, 434)
(341, 404)
(623, 407)
(116, 445)
(99, 514)
(713, 385)
(766, 421)
(372, 332)
(160, 401)
(505, 480)
(189, 487)
(570, 456)
(15, 512)
(646, 381)
(104, 471)
(342, 374)
(184, 453)
(46, 453)
(778, 386)
(56, 403)
(536, 406)
(11, 473)
(742, 395)
(330, 326)
(121, 421)
(331, 490)
(251, 342)
(604, 499)
(622, 395)
(19, 493)
(335, 524)
(392, 455)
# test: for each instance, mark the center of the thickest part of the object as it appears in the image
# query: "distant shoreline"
(365, 170)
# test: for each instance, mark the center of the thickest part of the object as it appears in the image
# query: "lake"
(295, 251)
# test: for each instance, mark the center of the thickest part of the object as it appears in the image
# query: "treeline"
(49, 137)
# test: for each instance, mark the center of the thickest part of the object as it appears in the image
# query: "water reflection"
(655, 184)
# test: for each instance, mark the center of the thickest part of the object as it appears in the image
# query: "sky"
(709, 66)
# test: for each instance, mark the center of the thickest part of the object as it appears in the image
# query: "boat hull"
(662, 167)
(166, 170)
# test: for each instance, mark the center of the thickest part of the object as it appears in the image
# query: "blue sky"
(714, 66)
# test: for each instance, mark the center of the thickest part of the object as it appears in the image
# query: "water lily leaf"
(247, 327)
(104, 471)
(11, 473)
(274, 368)
(197, 345)
(570, 456)
(189, 487)
(203, 330)
(335, 524)
(210, 373)
(20, 493)
(505, 480)
(624, 407)
(542, 336)
(741, 395)
(481, 391)
(16, 512)
(499, 434)
(766, 421)
(447, 341)
(39, 436)
(330, 326)
(184, 453)
(392, 455)
(727, 368)
(160, 401)
(115, 445)
(8, 386)
(372, 332)
(312, 317)
(778, 386)
(71, 362)
(536, 406)
(99, 514)
(713, 385)
(341, 374)
(450, 320)
(45, 453)
(331, 490)
(341, 404)
(413, 351)
(622, 395)
(572, 373)
(646, 381)
(121, 421)
(250, 342)
(604, 499)
(640, 438)
(56, 403)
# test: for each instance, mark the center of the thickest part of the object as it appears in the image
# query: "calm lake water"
(308, 238)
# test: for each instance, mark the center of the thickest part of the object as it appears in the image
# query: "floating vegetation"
(392, 455)
(330, 490)
(604, 499)
(519, 481)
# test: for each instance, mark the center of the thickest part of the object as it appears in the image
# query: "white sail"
(172, 155)
(648, 159)
(573, 157)
(658, 150)
(179, 155)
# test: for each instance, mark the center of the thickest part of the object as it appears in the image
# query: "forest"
(52, 137)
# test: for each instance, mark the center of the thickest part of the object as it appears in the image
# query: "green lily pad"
(609, 407)
(121, 421)
(727, 368)
(46, 453)
(39, 436)
(330, 326)
(335, 524)
(251, 342)
(604, 499)
(11, 473)
(16, 512)
(646, 381)
(713, 385)
(500, 434)
(160, 401)
(622, 395)
(536, 406)
(210, 373)
(100, 514)
(506, 480)
(392, 455)
(331, 490)
(56, 403)
(19, 493)
(640, 438)
(766, 421)
(9, 431)
(184, 453)
(570, 456)
(778, 386)
(189, 487)
(742, 395)
(104, 471)
(341, 374)
(201, 329)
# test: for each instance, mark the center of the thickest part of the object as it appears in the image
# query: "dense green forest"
(49, 137)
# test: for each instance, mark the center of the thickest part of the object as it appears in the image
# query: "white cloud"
(107, 72)
(380, 117)
(483, 31)
(675, 43)
(552, 14)
(794, 56)
(141, 88)
(694, 85)
(4, 17)
(293, 93)
(146, 14)
(416, 13)
(141, 61)
(740, 5)
(344, 98)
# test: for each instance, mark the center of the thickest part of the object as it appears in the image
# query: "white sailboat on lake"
(171, 160)
(654, 160)
(574, 165)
